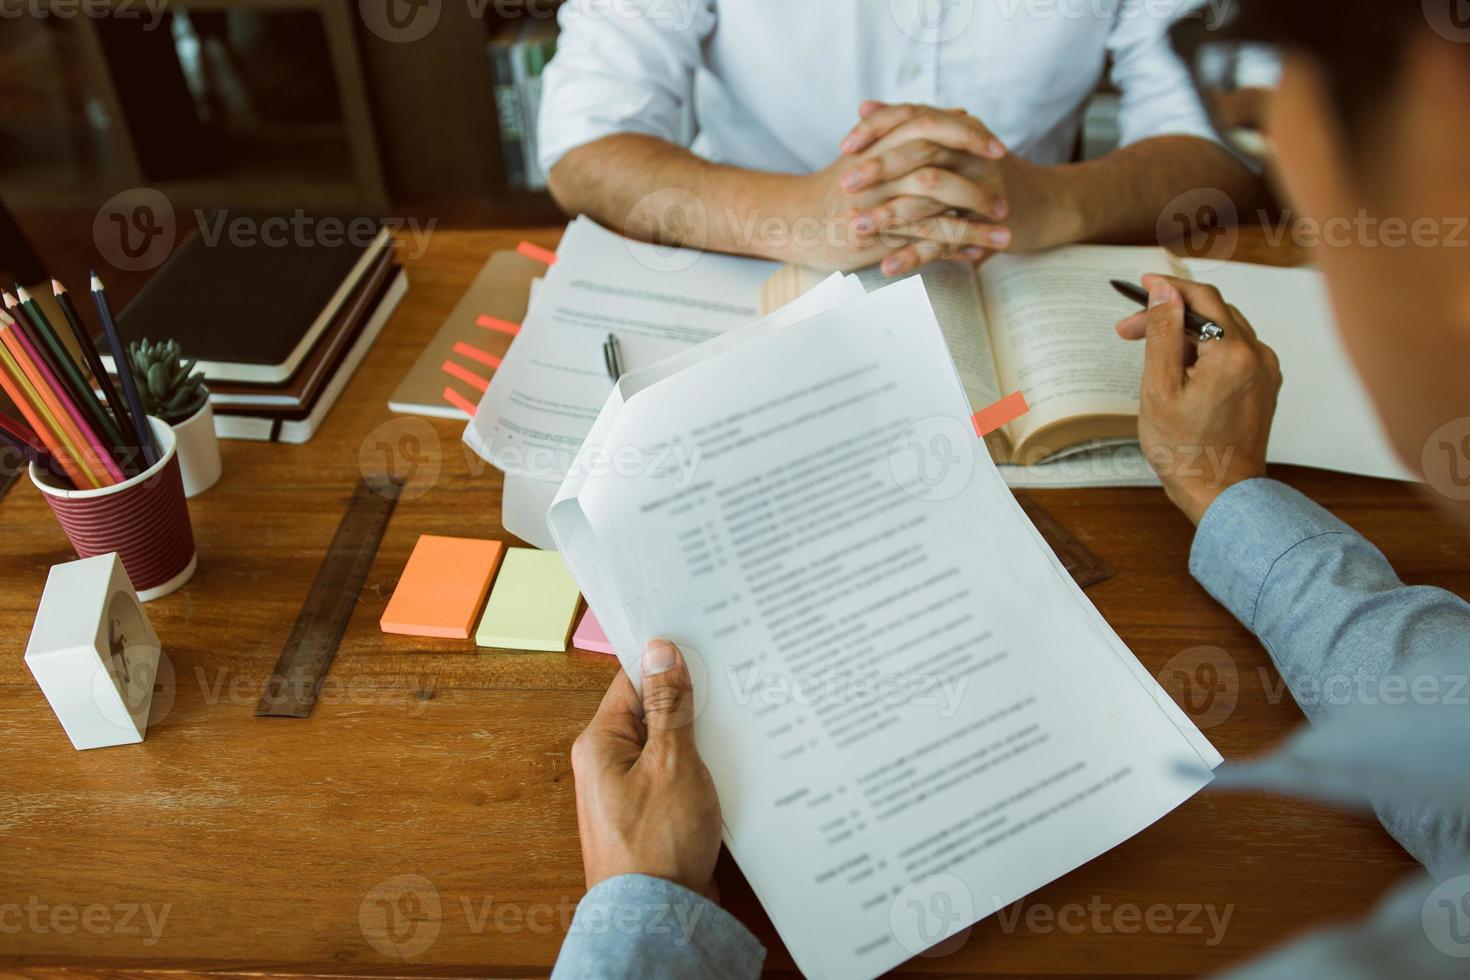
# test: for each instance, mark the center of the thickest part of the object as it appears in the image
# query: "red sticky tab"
(466, 375)
(475, 354)
(495, 323)
(459, 401)
(536, 252)
(1003, 412)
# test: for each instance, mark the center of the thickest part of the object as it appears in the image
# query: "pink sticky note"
(589, 635)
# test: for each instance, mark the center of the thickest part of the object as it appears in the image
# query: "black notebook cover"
(249, 309)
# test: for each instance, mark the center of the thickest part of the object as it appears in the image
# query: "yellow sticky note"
(532, 604)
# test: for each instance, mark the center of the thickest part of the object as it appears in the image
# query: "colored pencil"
(21, 431)
(122, 421)
(12, 379)
(40, 457)
(124, 373)
(91, 456)
(100, 458)
(81, 392)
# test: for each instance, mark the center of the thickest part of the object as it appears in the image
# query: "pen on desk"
(612, 357)
(1199, 328)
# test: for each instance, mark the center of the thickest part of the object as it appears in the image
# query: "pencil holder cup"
(144, 519)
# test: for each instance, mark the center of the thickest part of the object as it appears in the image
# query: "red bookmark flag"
(495, 323)
(536, 252)
(475, 354)
(459, 401)
(1003, 412)
(466, 375)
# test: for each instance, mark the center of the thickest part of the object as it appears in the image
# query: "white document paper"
(544, 397)
(912, 714)
(1325, 417)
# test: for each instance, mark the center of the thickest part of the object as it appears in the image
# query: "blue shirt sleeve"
(637, 926)
(1341, 627)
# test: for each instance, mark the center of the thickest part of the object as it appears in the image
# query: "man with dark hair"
(1367, 121)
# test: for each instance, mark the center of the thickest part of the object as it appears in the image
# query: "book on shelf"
(519, 52)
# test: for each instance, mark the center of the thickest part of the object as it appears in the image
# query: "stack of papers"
(912, 714)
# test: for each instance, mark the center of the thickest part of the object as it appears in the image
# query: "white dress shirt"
(775, 84)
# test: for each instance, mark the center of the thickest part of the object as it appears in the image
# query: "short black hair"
(1360, 44)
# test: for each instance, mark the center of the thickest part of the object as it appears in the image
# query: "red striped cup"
(144, 519)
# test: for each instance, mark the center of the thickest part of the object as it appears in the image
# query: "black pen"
(612, 357)
(1199, 328)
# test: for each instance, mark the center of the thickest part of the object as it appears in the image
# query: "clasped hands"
(916, 184)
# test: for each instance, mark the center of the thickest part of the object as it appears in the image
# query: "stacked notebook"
(277, 326)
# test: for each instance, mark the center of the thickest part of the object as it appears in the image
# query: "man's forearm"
(652, 190)
(1122, 197)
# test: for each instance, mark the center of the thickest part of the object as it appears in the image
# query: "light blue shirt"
(1377, 666)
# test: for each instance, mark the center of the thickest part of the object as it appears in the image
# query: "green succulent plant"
(171, 390)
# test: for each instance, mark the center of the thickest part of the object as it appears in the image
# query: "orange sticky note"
(1003, 412)
(442, 587)
(459, 401)
(475, 354)
(533, 251)
(495, 323)
(466, 375)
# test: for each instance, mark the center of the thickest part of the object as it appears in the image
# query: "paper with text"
(903, 698)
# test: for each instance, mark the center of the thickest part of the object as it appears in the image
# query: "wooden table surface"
(421, 821)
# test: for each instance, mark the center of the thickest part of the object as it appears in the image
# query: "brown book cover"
(302, 389)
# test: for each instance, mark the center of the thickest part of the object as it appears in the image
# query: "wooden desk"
(278, 846)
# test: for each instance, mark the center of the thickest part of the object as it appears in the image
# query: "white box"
(94, 653)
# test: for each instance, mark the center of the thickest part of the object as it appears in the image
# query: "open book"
(1043, 325)
(912, 715)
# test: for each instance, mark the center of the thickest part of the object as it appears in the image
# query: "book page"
(542, 400)
(955, 297)
(1052, 317)
(902, 697)
(1324, 416)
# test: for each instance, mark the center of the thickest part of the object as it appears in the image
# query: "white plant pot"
(199, 460)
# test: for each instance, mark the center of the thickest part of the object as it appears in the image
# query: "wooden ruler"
(297, 678)
(1085, 566)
